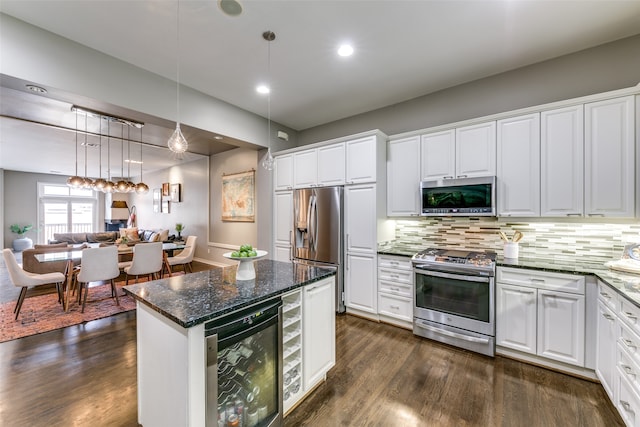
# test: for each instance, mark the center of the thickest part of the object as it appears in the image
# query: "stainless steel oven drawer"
(462, 338)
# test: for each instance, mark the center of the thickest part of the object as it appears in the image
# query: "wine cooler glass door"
(244, 372)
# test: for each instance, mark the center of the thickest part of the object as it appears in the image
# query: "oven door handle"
(466, 278)
(452, 334)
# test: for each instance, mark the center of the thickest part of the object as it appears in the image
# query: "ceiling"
(403, 49)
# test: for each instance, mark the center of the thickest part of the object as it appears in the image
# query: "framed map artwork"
(238, 197)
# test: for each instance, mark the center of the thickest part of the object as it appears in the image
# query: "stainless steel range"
(455, 298)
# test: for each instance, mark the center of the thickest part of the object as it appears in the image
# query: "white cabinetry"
(464, 152)
(562, 162)
(331, 164)
(559, 314)
(305, 168)
(360, 285)
(282, 225)
(610, 157)
(309, 336)
(403, 177)
(362, 161)
(319, 324)
(395, 290)
(607, 336)
(283, 172)
(519, 166)
(438, 155)
(292, 348)
(476, 150)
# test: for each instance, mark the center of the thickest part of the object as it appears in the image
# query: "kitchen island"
(171, 317)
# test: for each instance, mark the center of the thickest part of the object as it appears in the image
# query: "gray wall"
(607, 67)
(21, 202)
(225, 235)
(191, 212)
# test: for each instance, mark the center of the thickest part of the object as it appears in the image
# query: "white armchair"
(147, 261)
(184, 258)
(97, 265)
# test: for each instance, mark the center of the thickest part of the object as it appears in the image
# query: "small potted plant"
(179, 228)
(122, 242)
(22, 242)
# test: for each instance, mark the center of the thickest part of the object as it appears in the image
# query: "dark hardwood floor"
(85, 375)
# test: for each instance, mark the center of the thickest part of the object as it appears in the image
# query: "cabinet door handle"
(574, 214)
(630, 315)
(628, 343)
(626, 406)
(607, 316)
(605, 295)
(535, 280)
(628, 370)
(447, 177)
(461, 176)
(595, 214)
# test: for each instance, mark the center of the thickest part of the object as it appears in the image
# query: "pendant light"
(109, 186)
(141, 187)
(131, 187)
(87, 182)
(99, 183)
(267, 161)
(121, 185)
(76, 181)
(177, 142)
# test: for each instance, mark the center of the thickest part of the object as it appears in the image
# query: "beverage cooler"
(244, 370)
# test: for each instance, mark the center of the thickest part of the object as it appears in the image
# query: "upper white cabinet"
(361, 160)
(519, 166)
(305, 168)
(331, 164)
(610, 157)
(438, 156)
(360, 218)
(562, 162)
(283, 172)
(476, 150)
(403, 177)
(464, 152)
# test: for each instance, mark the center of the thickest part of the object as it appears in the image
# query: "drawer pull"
(607, 316)
(628, 370)
(628, 343)
(605, 295)
(395, 276)
(630, 315)
(626, 406)
(395, 307)
(394, 263)
(534, 280)
(395, 289)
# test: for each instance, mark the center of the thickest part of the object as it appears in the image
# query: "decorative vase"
(22, 243)
(179, 236)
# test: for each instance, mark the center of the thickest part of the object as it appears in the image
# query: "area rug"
(43, 313)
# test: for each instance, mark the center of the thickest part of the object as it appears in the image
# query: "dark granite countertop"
(627, 285)
(191, 299)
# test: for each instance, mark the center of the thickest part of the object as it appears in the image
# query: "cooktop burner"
(460, 257)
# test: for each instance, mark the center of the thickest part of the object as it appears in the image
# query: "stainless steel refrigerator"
(317, 230)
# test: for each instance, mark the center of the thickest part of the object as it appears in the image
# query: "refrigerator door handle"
(313, 225)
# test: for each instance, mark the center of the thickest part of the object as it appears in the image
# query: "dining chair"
(147, 261)
(184, 258)
(25, 280)
(97, 265)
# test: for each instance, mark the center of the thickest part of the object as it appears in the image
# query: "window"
(63, 210)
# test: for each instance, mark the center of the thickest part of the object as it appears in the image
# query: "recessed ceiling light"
(262, 89)
(36, 89)
(230, 7)
(345, 50)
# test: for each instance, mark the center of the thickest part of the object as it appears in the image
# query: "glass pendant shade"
(109, 187)
(142, 188)
(87, 182)
(131, 187)
(75, 181)
(121, 186)
(178, 143)
(99, 184)
(267, 160)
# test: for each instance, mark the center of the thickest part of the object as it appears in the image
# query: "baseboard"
(576, 371)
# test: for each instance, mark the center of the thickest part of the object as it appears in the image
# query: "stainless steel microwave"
(459, 197)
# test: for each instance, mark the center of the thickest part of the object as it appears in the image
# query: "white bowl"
(246, 270)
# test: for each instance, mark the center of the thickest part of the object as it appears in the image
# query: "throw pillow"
(130, 233)
(163, 235)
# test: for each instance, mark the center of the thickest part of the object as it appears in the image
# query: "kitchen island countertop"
(191, 299)
(627, 285)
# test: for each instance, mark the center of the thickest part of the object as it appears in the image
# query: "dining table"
(73, 254)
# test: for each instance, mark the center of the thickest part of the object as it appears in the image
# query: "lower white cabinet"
(607, 336)
(395, 290)
(546, 318)
(309, 339)
(361, 294)
(319, 331)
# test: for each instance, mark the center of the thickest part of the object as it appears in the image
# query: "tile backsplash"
(556, 239)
